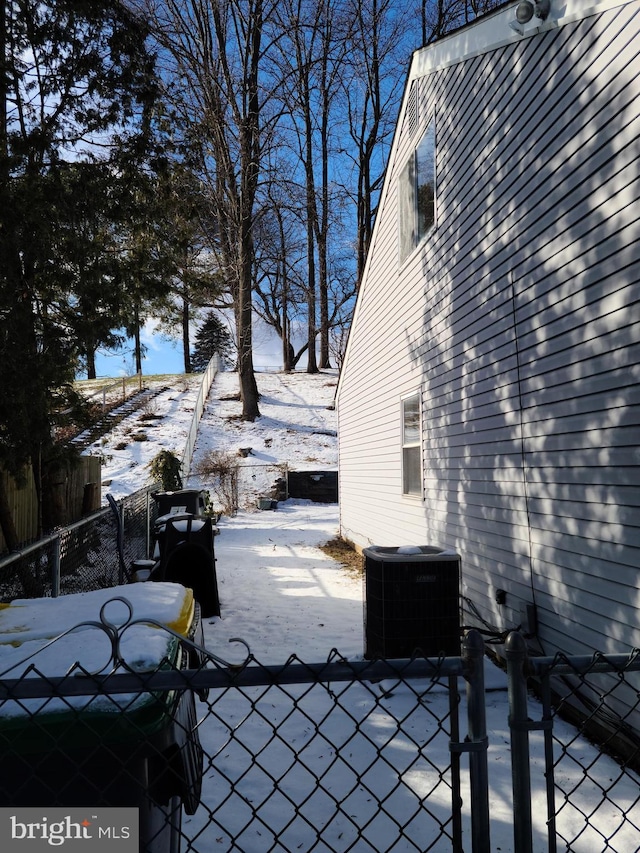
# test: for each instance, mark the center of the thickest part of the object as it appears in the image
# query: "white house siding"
(519, 321)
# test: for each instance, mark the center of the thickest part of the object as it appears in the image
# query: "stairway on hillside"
(113, 417)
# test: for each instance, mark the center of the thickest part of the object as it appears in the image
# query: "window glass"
(407, 208)
(416, 193)
(411, 442)
(411, 420)
(426, 180)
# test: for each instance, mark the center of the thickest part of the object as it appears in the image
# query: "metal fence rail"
(377, 767)
(205, 386)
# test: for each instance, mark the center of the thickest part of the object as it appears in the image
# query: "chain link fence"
(324, 757)
(366, 756)
(331, 765)
(593, 698)
(83, 556)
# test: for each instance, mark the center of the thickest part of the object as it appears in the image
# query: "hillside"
(297, 428)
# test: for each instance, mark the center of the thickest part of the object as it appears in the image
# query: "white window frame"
(412, 470)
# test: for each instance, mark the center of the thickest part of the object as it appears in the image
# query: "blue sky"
(164, 355)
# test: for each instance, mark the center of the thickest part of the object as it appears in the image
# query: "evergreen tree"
(211, 338)
(76, 87)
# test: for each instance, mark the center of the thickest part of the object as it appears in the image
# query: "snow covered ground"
(297, 423)
(163, 424)
(283, 595)
(297, 428)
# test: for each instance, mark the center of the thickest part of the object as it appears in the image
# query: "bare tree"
(312, 52)
(379, 47)
(216, 59)
(372, 87)
(439, 17)
(279, 282)
(325, 76)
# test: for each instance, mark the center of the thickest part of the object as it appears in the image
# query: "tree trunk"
(91, 364)
(136, 338)
(312, 219)
(248, 386)
(324, 301)
(287, 349)
(323, 219)
(186, 347)
(312, 363)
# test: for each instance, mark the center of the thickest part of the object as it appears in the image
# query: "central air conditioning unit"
(411, 602)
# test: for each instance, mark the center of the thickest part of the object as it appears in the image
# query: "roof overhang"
(497, 29)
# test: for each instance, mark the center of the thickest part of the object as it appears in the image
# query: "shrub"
(165, 467)
(222, 469)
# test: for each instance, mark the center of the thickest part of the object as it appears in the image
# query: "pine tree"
(211, 338)
(76, 87)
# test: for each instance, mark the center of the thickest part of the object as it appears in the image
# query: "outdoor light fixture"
(526, 10)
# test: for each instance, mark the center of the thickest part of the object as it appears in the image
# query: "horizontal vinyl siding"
(370, 446)
(559, 345)
(519, 321)
(577, 326)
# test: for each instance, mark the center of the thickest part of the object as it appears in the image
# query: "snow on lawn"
(296, 424)
(162, 425)
(296, 428)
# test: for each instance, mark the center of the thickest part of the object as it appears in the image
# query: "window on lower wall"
(417, 193)
(411, 446)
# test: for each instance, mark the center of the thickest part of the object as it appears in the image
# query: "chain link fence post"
(516, 654)
(473, 657)
(55, 569)
(455, 748)
(147, 526)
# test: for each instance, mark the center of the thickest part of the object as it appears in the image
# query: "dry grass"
(343, 552)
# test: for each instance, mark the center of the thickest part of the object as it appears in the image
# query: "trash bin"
(138, 750)
(186, 556)
(411, 601)
(180, 502)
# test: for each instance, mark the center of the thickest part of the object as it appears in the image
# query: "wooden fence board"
(80, 494)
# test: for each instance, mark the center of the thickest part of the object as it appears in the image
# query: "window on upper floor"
(411, 446)
(417, 193)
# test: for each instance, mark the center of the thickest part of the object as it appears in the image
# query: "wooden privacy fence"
(75, 492)
(23, 505)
